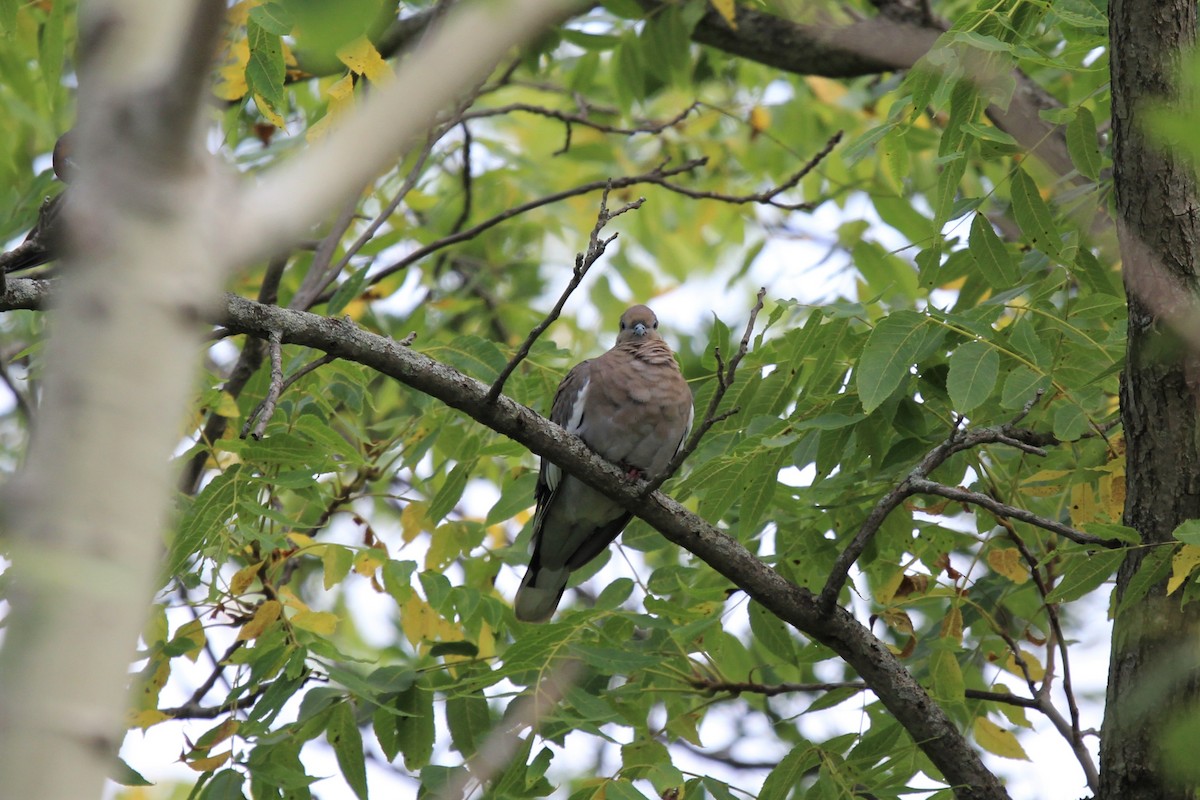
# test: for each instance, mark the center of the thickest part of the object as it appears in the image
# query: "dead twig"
(266, 408)
(766, 197)
(583, 262)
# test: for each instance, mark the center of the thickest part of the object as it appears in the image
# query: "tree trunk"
(1151, 679)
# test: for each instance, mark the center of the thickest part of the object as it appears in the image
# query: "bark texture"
(1150, 680)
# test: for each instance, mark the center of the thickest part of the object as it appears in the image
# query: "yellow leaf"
(243, 578)
(269, 112)
(898, 620)
(1006, 561)
(228, 406)
(337, 561)
(209, 763)
(369, 560)
(263, 618)
(726, 9)
(341, 100)
(885, 593)
(362, 57)
(994, 739)
(289, 599)
(952, 625)
(1036, 670)
(155, 678)
(1183, 564)
(231, 75)
(215, 736)
(760, 119)
(194, 632)
(412, 521)
(1112, 493)
(145, 719)
(1084, 507)
(322, 623)
(486, 641)
(306, 543)
(827, 91)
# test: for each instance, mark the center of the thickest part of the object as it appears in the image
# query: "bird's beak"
(640, 328)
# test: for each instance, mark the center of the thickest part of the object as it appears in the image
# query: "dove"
(631, 406)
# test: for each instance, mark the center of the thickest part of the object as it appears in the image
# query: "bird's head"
(638, 324)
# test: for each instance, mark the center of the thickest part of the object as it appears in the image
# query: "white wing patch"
(574, 424)
(687, 429)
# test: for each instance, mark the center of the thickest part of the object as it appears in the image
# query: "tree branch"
(583, 262)
(288, 199)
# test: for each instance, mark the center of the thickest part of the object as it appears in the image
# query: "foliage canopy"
(945, 428)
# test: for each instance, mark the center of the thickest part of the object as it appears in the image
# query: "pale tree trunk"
(157, 228)
(1152, 675)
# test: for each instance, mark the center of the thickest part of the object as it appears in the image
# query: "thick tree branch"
(869, 47)
(836, 628)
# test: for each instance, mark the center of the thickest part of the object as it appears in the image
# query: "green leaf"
(1083, 143)
(1188, 532)
(347, 290)
(974, 367)
(787, 775)
(126, 775)
(1070, 421)
(1021, 386)
(622, 790)
(273, 18)
(1153, 570)
(225, 785)
(1084, 572)
(265, 70)
(1033, 215)
(414, 726)
(772, 632)
(469, 720)
(948, 683)
(898, 341)
(996, 265)
(346, 740)
(450, 492)
(204, 518)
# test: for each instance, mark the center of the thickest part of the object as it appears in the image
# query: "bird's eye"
(655, 324)
(622, 324)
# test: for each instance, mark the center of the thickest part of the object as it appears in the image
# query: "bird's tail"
(540, 591)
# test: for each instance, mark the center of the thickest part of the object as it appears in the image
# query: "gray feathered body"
(634, 408)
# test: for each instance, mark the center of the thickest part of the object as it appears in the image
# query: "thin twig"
(914, 483)
(766, 197)
(321, 271)
(192, 710)
(654, 176)
(284, 385)
(771, 689)
(583, 262)
(1070, 731)
(725, 375)
(410, 181)
(211, 681)
(570, 120)
(922, 486)
(266, 409)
